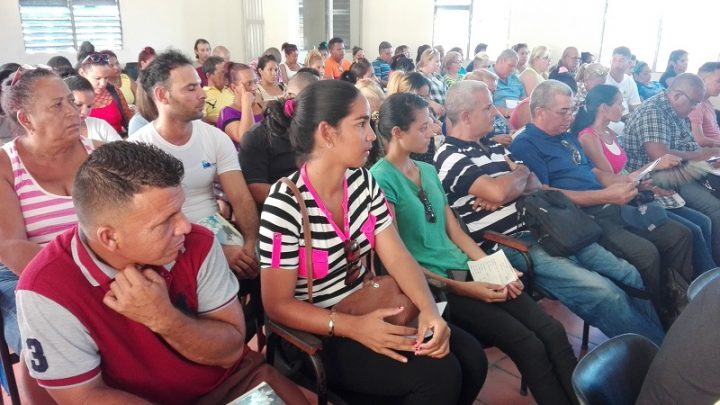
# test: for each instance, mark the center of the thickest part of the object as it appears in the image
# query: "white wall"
(399, 22)
(157, 23)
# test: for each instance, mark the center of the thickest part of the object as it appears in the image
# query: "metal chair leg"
(585, 336)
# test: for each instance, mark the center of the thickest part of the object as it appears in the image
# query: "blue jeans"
(8, 282)
(701, 199)
(701, 228)
(584, 283)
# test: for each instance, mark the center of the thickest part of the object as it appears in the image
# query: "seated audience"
(501, 128)
(451, 65)
(85, 49)
(402, 50)
(537, 70)
(265, 152)
(357, 54)
(589, 76)
(381, 65)
(429, 66)
(459, 50)
(362, 69)
(145, 57)
(109, 104)
(600, 144)
(62, 66)
(401, 63)
(314, 60)
(482, 182)
(113, 310)
(36, 177)
(481, 61)
(646, 87)
(677, 64)
(217, 93)
(375, 97)
(145, 109)
(268, 88)
(586, 58)
(289, 68)
(441, 51)
(222, 52)
(202, 52)
(568, 63)
(687, 367)
(523, 52)
(617, 77)
(555, 156)
(420, 50)
(510, 89)
(90, 127)
(499, 315)
(119, 79)
(330, 129)
(660, 126)
(336, 63)
(9, 129)
(703, 119)
(206, 153)
(479, 48)
(324, 50)
(244, 85)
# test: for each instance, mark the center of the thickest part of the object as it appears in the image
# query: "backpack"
(560, 227)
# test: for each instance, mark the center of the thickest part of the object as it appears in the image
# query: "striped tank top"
(46, 215)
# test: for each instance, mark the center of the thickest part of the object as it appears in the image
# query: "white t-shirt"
(628, 89)
(99, 130)
(208, 154)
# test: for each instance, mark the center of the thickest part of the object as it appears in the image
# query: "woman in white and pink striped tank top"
(36, 176)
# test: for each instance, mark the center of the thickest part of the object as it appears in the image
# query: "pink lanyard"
(346, 222)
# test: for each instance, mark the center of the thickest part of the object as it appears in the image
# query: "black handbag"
(560, 227)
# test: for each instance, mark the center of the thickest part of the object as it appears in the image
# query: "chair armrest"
(304, 341)
(505, 240)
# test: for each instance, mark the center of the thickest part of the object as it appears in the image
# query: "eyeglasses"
(565, 112)
(352, 256)
(24, 68)
(429, 213)
(576, 156)
(693, 103)
(97, 58)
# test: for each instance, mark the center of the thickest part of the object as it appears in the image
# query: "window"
(321, 28)
(62, 25)
(451, 26)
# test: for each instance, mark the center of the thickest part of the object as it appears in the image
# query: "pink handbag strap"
(306, 234)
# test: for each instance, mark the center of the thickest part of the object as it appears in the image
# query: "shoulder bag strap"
(306, 234)
(370, 198)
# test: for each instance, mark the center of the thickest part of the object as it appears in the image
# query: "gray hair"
(687, 82)
(460, 98)
(545, 92)
(507, 54)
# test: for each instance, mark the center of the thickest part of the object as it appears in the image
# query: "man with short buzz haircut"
(336, 63)
(381, 65)
(222, 52)
(620, 62)
(135, 304)
(510, 89)
(661, 126)
(558, 160)
(703, 119)
(483, 181)
(218, 94)
(206, 152)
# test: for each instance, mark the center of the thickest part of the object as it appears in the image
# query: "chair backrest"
(613, 373)
(700, 282)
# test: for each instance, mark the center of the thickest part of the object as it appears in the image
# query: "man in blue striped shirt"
(381, 65)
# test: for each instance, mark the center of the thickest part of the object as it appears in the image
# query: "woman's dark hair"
(355, 50)
(639, 67)
(401, 62)
(675, 56)
(198, 42)
(357, 71)
(416, 81)
(323, 46)
(78, 83)
(20, 95)
(6, 70)
(564, 77)
(288, 48)
(147, 53)
(144, 103)
(86, 48)
(109, 53)
(398, 110)
(62, 66)
(309, 70)
(400, 50)
(517, 47)
(264, 60)
(325, 100)
(586, 57)
(232, 68)
(599, 95)
(420, 50)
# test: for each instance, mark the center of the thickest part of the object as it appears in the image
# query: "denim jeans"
(701, 199)
(701, 227)
(584, 283)
(8, 282)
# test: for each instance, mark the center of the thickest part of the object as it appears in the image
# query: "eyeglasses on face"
(352, 257)
(693, 103)
(97, 58)
(576, 157)
(565, 112)
(429, 213)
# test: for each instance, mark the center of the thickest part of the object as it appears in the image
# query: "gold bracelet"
(331, 323)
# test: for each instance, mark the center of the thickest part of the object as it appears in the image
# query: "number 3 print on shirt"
(39, 361)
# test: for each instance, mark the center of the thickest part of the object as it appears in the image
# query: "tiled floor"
(502, 386)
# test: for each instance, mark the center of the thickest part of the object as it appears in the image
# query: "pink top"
(704, 115)
(46, 215)
(515, 115)
(613, 153)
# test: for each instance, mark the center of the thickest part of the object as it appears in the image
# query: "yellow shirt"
(126, 88)
(334, 69)
(217, 100)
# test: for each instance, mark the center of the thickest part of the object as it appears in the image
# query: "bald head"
(685, 93)
(688, 83)
(298, 82)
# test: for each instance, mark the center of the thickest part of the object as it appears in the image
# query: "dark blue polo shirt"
(557, 161)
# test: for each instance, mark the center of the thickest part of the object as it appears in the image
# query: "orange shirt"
(334, 69)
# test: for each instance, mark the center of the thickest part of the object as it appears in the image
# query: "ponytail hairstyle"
(325, 100)
(599, 95)
(398, 110)
(146, 54)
